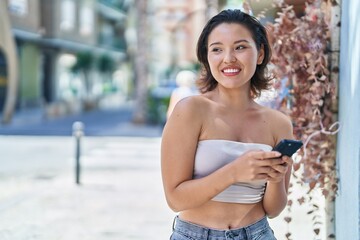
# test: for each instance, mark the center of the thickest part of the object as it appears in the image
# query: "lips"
(231, 71)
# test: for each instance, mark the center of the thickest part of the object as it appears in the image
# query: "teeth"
(231, 70)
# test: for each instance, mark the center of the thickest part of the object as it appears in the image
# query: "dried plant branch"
(302, 64)
(300, 56)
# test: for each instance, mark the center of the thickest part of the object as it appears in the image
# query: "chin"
(233, 85)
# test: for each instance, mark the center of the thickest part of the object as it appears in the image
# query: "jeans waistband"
(200, 232)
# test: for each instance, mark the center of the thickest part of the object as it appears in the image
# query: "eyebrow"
(236, 42)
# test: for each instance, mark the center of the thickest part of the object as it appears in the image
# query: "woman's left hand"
(279, 171)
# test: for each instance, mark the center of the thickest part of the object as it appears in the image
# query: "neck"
(233, 98)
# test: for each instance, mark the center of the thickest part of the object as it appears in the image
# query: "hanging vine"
(301, 58)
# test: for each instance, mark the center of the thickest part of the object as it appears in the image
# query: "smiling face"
(232, 55)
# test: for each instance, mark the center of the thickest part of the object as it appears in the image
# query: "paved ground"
(120, 196)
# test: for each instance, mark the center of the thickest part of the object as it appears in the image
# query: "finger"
(282, 168)
(262, 176)
(265, 170)
(267, 155)
(275, 175)
(288, 160)
(260, 155)
(275, 180)
(271, 162)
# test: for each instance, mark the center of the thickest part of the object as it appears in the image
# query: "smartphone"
(288, 147)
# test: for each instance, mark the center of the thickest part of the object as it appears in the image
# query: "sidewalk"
(120, 197)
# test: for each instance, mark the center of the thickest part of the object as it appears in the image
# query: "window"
(19, 7)
(68, 15)
(86, 20)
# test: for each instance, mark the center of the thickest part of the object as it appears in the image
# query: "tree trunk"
(7, 44)
(141, 71)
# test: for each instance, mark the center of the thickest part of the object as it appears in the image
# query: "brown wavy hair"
(260, 80)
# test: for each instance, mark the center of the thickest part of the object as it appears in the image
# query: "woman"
(218, 170)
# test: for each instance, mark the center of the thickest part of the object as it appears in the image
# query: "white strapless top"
(214, 154)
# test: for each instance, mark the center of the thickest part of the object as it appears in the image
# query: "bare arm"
(275, 198)
(179, 143)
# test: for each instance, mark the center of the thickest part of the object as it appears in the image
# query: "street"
(105, 122)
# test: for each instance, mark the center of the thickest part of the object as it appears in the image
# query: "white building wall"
(348, 155)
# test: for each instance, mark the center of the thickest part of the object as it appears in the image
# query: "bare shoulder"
(278, 117)
(186, 120)
(281, 124)
(192, 106)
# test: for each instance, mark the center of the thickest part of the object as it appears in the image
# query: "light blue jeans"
(259, 230)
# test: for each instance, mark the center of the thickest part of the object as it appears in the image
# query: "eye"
(215, 49)
(240, 47)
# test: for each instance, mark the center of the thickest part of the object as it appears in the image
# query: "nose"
(229, 57)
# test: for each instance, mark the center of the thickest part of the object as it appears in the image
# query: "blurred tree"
(106, 65)
(141, 66)
(83, 65)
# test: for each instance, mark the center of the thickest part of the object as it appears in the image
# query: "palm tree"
(141, 70)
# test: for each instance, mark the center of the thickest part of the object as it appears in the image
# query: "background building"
(176, 27)
(62, 46)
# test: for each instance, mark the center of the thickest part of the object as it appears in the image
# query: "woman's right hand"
(256, 165)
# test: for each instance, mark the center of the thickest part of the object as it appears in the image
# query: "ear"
(261, 55)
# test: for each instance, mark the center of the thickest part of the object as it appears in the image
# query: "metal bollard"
(78, 132)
